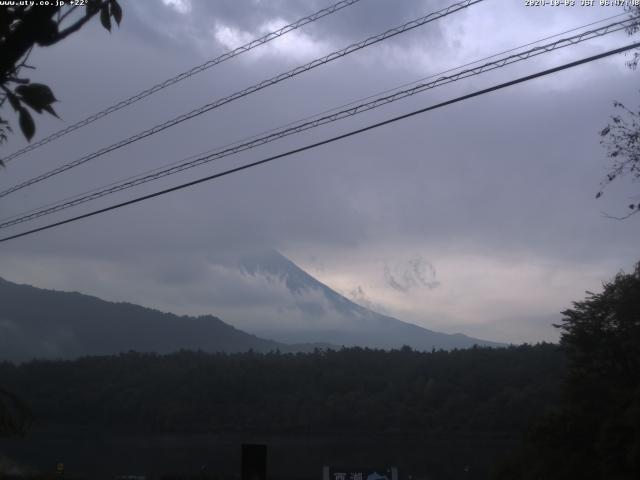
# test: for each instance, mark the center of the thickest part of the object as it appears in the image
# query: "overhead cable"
(247, 91)
(326, 141)
(184, 75)
(300, 127)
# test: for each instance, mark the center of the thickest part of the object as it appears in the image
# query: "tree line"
(353, 389)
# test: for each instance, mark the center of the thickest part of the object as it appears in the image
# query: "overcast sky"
(478, 218)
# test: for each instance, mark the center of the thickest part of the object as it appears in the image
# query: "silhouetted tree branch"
(21, 29)
(622, 136)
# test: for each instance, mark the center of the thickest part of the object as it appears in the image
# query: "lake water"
(99, 454)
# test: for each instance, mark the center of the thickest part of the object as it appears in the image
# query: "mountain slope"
(336, 319)
(51, 324)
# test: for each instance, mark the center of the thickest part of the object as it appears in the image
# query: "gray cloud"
(414, 273)
(508, 176)
(360, 296)
(353, 23)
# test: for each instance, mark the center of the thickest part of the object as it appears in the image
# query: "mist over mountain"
(38, 323)
(322, 315)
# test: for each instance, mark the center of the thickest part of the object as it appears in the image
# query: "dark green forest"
(480, 389)
(427, 413)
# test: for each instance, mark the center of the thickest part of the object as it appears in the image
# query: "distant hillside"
(329, 317)
(37, 323)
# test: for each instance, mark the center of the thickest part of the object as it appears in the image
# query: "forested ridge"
(39, 323)
(354, 389)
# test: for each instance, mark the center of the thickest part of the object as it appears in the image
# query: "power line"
(195, 160)
(257, 141)
(329, 140)
(247, 91)
(469, 64)
(184, 75)
(315, 115)
(333, 109)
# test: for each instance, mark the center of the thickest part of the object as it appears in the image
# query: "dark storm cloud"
(351, 24)
(177, 26)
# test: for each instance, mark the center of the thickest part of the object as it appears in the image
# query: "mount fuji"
(322, 315)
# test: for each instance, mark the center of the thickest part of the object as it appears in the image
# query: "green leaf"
(51, 111)
(37, 96)
(14, 101)
(93, 6)
(46, 32)
(39, 91)
(104, 17)
(26, 123)
(116, 11)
